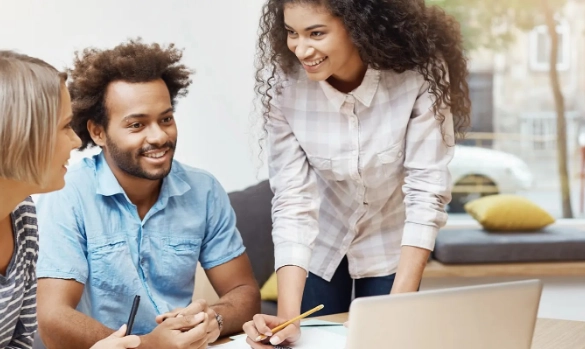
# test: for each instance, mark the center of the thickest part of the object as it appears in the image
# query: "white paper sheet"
(334, 327)
(311, 338)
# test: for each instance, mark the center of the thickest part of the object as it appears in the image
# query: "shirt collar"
(364, 92)
(107, 184)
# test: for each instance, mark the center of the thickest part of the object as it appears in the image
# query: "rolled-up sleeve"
(295, 206)
(428, 150)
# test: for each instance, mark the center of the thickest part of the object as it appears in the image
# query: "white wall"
(219, 39)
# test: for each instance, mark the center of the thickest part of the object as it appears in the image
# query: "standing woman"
(35, 142)
(362, 102)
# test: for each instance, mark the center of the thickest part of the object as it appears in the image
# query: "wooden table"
(548, 334)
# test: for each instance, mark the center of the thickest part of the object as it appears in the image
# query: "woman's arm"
(295, 209)
(427, 188)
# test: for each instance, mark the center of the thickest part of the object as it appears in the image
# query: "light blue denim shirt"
(90, 232)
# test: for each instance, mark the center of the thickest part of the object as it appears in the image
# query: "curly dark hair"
(134, 62)
(398, 35)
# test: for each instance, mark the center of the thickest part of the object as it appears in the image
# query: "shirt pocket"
(179, 258)
(328, 169)
(390, 159)
(110, 265)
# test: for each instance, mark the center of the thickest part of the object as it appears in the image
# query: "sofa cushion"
(268, 308)
(254, 221)
(269, 291)
(508, 213)
(476, 245)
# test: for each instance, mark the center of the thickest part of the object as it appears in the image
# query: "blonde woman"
(35, 142)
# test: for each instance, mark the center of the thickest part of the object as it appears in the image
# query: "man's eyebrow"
(140, 115)
(134, 116)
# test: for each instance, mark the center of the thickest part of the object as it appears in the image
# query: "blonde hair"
(30, 96)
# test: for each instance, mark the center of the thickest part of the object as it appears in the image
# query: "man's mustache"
(168, 145)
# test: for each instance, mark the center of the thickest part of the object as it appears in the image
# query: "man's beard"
(130, 163)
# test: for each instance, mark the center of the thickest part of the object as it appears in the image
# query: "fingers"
(260, 327)
(197, 306)
(202, 303)
(117, 340)
(346, 324)
(120, 332)
(250, 330)
(129, 341)
(192, 309)
(162, 317)
(184, 322)
(258, 345)
(289, 334)
(260, 322)
(196, 334)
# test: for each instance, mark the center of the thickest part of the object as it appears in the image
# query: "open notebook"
(313, 337)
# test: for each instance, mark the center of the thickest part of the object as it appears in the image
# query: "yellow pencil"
(283, 325)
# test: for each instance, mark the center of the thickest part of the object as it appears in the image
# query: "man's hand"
(183, 332)
(198, 306)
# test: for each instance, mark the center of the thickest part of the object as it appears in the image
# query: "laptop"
(501, 316)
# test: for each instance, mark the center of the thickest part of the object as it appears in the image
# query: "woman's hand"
(262, 325)
(117, 340)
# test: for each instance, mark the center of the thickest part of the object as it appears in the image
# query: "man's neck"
(142, 192)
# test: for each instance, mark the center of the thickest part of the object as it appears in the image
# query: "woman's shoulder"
(25, 209)
(404, 76)
(25, 222)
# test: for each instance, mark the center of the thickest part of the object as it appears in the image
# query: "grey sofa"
(254, 221)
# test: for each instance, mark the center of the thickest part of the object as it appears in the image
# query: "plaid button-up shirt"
(357, 174)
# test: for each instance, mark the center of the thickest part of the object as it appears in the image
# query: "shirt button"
(399, 154)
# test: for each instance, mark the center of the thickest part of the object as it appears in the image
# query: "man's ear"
(97, 133)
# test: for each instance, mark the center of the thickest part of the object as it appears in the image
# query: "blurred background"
(528, 131)
(528, 121)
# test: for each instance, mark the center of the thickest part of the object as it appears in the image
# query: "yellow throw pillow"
(269, 291)
(508, 213)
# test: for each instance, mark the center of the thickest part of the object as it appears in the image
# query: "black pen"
(132, 315)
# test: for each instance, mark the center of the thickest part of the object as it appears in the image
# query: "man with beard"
(132, 221)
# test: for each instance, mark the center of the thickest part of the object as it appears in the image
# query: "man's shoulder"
(81, 172)
(195, 177)
(79, 180)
